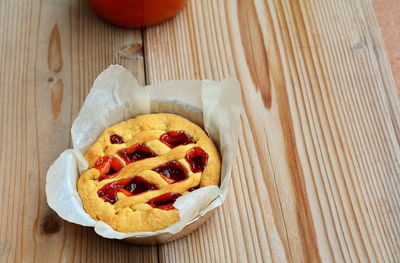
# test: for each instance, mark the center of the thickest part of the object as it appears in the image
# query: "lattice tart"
(139, 167)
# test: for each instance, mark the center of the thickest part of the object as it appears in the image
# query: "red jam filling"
(108, 167)
(172, 171)
(127, 186)
(116, 139)
(175, 138)
(194, 188)
(136, 152)
(165, 201)
(197, 159)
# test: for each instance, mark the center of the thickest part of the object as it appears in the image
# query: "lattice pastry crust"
(139, 167)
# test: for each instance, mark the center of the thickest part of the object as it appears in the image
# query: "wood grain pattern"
(317, 178)
(321, 158)
(50, 54)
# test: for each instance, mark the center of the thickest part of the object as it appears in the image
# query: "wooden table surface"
(318, 174)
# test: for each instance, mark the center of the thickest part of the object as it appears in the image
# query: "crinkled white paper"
(117, 96)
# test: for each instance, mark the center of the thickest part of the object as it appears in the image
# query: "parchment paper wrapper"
(117, 96)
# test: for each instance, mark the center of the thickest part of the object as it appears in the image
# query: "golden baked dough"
(139, 167)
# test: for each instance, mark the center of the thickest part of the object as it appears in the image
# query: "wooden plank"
(388, 18)
(318, 174)
(51, 51)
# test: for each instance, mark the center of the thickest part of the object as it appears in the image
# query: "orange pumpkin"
(136, 13)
